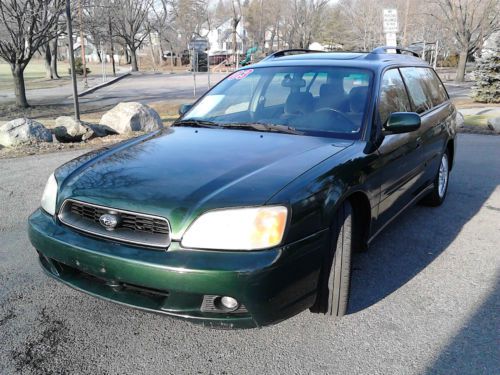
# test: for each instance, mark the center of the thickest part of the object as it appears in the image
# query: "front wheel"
(438, 194)
(335, 281)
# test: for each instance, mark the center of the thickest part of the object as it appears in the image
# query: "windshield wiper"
(196, 123)
(261, 127)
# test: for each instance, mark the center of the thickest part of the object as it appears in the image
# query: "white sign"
(391, 40)
(390, 21)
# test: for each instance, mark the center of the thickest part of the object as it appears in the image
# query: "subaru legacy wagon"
(247, 210)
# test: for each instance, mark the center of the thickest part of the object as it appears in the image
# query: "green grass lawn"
(476, 120)
(34, 75)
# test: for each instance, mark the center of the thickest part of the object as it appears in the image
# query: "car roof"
(376, 60)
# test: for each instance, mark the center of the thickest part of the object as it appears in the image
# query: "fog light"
(229, 302)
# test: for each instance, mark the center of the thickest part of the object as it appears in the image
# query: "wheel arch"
(362, 218)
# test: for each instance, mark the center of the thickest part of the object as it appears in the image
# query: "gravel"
(425, 298)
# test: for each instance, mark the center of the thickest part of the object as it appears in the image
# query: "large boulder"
(494, 124)
(70, 130)
(131, 116)
(23, 130)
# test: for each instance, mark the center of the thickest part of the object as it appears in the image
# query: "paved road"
(150, 87)
(425, 298)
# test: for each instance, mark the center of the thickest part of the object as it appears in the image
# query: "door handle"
(419, 143)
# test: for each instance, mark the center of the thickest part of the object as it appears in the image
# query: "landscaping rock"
(494, 124)
(130, 117)
(23, 130)
(70, 130)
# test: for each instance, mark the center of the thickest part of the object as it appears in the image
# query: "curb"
(107, 83)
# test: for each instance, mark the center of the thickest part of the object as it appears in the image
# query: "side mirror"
(183, 108)
(402, 122)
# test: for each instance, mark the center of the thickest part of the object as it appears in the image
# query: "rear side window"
(419, 95)
(393, 96)
(433, 86)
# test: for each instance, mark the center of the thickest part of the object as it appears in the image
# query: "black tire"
(437, 196)
(333, 298)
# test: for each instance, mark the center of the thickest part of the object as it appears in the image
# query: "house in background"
(220, 39)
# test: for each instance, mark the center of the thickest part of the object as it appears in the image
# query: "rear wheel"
(336, 275)
(438, 194)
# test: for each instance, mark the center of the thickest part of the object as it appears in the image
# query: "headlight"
(237, 229)
(49, 195)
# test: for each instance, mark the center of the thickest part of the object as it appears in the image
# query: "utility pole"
(72, 61)
(82, 45)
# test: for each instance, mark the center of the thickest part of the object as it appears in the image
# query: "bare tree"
(51, 51)
(235, 21)
(25, 26)
(471, 22)
(131, 25)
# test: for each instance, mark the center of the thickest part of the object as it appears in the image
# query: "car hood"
(180, 172)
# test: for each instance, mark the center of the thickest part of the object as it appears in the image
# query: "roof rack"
(399, 50)
(294, 51)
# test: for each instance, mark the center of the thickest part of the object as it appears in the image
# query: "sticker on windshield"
(241, 74)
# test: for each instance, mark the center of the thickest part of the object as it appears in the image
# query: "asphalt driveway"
(425, 298)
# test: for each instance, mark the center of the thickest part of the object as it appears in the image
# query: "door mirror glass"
(183, 108)
(402, 122)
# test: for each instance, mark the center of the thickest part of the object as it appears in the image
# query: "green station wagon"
(247, 209)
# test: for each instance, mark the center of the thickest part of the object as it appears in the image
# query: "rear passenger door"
(399, 153)
(430, 100)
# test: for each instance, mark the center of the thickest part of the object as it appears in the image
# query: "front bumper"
(272, 284)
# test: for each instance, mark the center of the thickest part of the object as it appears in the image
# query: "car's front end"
(263, 286)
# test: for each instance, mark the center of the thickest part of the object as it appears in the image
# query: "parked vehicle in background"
(248, 209)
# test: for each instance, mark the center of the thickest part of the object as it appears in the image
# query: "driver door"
(398, 152)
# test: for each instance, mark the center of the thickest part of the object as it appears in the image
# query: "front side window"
(393, 96)
(419, 95)
(322, 101)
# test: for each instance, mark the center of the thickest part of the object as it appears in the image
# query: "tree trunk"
(112, 46)
(462, 61)
(133, 60)
(20, 89)
(53, 58)
(47, 60)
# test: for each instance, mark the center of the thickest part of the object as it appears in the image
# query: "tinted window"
(393, 96)
(419, 95)
(433, 86)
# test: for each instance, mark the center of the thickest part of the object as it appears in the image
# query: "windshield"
(325, 101)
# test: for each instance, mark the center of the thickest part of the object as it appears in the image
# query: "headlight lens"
(49, 195)
(237, 229)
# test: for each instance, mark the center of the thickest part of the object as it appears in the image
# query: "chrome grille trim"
(135, 228)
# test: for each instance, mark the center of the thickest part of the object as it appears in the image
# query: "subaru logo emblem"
(109, 221)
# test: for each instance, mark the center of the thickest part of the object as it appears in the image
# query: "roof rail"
(285, 52)
(399, 50)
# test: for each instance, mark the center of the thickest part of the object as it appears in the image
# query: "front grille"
(132, 227)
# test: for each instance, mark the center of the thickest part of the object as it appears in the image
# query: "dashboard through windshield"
(323, 101)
